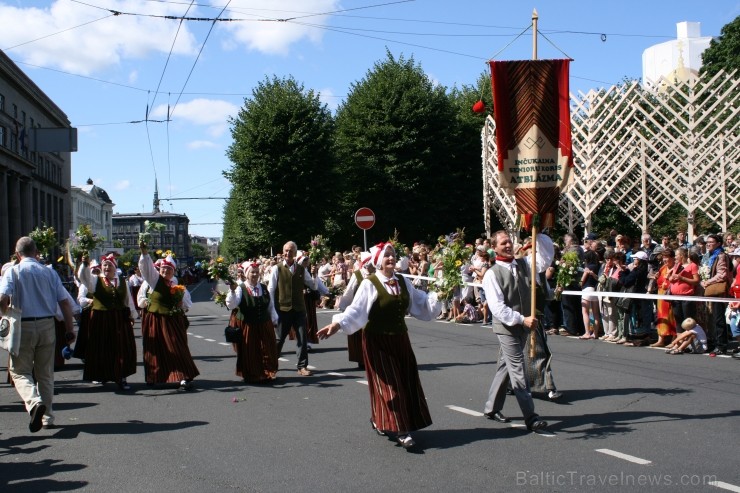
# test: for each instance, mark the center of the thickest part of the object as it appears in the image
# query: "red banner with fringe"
(533, 135)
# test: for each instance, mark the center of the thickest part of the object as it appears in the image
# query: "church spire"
(156, 198)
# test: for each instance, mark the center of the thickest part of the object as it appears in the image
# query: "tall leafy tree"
(723, 53)
(282, 163)
(395, 140)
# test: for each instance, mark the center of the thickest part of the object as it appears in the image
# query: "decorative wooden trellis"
(644, 150)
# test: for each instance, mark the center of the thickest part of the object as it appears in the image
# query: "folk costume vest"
(109, 297)
(290, 289)
(254, 309)
(387, 314)
(517, 292)
(161, 300)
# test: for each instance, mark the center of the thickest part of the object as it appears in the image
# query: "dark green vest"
(388, 312)
(110, 297)
(255, 309)
(290, 289)
(160, 299)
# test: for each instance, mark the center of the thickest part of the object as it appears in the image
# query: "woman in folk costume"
(164, 326)
(382, 300)
(110, 353)
(354, 341)
(256, 354)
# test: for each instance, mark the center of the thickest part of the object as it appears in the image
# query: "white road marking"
(363, 382)
(335, 374)
(620, 455)
(465, 411)
(210, 340)
(725, 486)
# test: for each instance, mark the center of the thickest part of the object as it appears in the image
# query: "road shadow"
(605, 425)
(570, 396)
(24, 476)
(447, 439)
(131, 427)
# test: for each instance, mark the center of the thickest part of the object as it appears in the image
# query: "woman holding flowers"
(164, 335)
(256, 353)
(110, 352)
(382, 300)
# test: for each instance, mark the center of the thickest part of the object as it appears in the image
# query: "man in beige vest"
(286, 290)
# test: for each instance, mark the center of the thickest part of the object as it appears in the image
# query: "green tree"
(395, 140)
(282, 169)
(723, 53)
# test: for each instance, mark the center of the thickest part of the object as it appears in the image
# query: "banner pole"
(533, 297)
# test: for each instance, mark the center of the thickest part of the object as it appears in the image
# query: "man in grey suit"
(507, 285)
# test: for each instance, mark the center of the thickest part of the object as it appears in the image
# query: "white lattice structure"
(644, 150)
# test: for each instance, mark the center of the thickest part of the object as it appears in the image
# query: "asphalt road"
(631, 419)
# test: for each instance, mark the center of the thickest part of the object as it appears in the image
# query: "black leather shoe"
(498, 417)
(537, 424)
(37, 414)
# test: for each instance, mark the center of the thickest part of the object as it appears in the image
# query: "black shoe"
(537, 424)
(37, 414)
(497, 416)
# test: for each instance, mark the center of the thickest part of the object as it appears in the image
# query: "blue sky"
(105, 70)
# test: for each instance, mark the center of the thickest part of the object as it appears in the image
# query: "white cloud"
(201, 144)
(213, 113)
(101, 43)
(328, 97)
(276, 37)
(122, 185)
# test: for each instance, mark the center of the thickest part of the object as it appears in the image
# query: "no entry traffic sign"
(364, 218)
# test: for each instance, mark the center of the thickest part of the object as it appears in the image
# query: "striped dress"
(397, 401)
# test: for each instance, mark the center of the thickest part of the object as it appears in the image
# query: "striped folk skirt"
(256, 356)
(110, 353)
(397, 401)
(167, 356)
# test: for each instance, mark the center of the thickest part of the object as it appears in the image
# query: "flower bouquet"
(568, 266)
(219, 269)
(178, 293)
(149, 228)
(45, 239)
(83, 241)
(219, 298)
(318, 250)
(453, 252)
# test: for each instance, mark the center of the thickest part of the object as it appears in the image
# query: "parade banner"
(533, 137)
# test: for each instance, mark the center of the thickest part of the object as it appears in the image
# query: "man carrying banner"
(507, 285)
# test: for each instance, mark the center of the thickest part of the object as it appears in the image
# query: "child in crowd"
(692, 338)
(469, 312)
